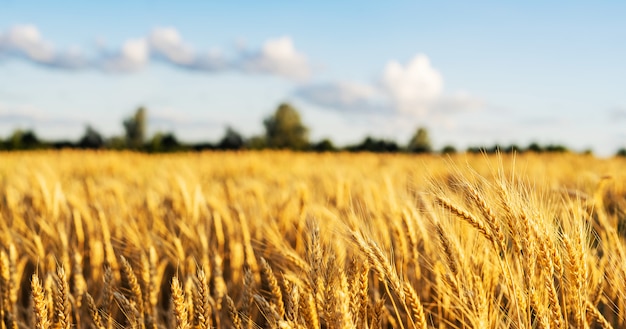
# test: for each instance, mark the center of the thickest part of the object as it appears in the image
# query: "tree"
(169, 142)
(232, 140)
(371, 144)
(256, 143)
(61, 144)
(448, 149)
(284, 129)
(135, 128)
(420, 142)
(556, 148)
(23, 140)
(534, 147)
(92, 139)
(163, 142)
(116, 143)
(325, 145)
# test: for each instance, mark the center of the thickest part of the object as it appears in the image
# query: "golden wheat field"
(296, 240)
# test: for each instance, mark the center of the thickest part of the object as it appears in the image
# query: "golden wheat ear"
(233, 313)
(94, 312)
(40, 306)
(62, 304)
(179, 304)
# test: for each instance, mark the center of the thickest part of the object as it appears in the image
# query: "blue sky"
(473, 73)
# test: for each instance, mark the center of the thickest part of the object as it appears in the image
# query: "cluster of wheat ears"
(284, 240)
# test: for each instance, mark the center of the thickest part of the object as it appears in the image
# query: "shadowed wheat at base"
(297, 240)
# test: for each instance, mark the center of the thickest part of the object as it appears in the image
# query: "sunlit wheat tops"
(291, 240)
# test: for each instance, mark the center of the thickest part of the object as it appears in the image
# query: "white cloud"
(279, 57)
(167, 42)
(415, 87)
(349, 96)
(276, 57)
(414, 90)
(132, 56)
(27, 42)
(212, 60)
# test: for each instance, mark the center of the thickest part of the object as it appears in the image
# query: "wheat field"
(299, 240)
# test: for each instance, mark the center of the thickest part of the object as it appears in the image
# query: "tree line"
(284, 129)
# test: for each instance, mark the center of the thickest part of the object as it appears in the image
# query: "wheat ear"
(417, 310)
(40, 306)
(62, 304)
(276, 293)
(594, 314)
(232, 312)
(135, 288)
(179, 304)
(93, 311)
(467, 217)
(202, 304)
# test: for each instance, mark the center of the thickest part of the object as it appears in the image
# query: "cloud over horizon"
(345, 96)
(25, 41)
(166, 44)
(414, 90)
(133, 56)
(276, 56)
(280, 57)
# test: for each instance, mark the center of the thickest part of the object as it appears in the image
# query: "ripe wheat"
(287, 240)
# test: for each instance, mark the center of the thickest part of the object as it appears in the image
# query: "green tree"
(420, 142)
(116, 143)
(92, 139)
(325, 145)
(556, 148)
(232, 140)
(23, 140)
(371, 144)
(256, 143)
(163, 142)
(155, 143)
(135, 128)
(284, 129)
(448, 149)
(534, 147)
(14, 142)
